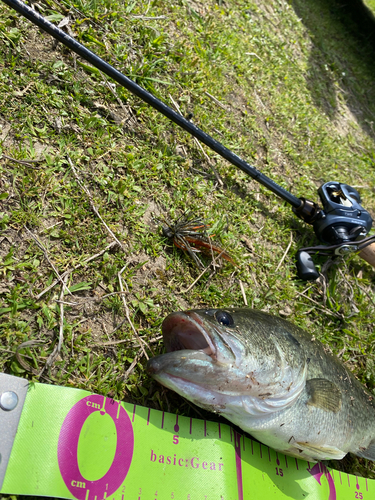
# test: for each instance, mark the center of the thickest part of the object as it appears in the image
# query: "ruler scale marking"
(170, 458)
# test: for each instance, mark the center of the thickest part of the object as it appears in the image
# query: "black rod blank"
(150, 99)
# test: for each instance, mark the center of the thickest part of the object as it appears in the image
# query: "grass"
(370, 4)
(296, 89)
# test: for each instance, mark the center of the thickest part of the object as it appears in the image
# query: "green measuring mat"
(69, 443)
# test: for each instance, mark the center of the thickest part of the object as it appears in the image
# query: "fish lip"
(186, 331)
(205, 397)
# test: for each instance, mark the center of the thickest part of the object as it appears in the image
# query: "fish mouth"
(185, 331)
(192, 366)
(195, 353)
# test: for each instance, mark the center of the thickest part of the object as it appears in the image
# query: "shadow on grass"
(341, 64)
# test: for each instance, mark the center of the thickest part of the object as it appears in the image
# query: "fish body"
(269, 377)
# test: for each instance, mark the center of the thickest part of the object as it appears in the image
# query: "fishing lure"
(190, 234)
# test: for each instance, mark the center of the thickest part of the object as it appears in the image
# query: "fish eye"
(224, 318)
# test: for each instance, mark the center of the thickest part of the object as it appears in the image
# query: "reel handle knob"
(306, 269)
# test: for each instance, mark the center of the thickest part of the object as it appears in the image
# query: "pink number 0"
(67, 448)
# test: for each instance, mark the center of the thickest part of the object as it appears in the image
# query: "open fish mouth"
(191, 366)
(185, 331)
(201, 360)
(192, 350)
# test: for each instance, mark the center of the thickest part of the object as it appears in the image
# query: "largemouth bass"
(269, 377)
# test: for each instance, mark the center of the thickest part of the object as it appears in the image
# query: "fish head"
(229, 360)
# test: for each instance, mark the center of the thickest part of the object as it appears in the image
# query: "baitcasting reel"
(342, 223)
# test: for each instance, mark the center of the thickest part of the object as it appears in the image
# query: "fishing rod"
(340, 223)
